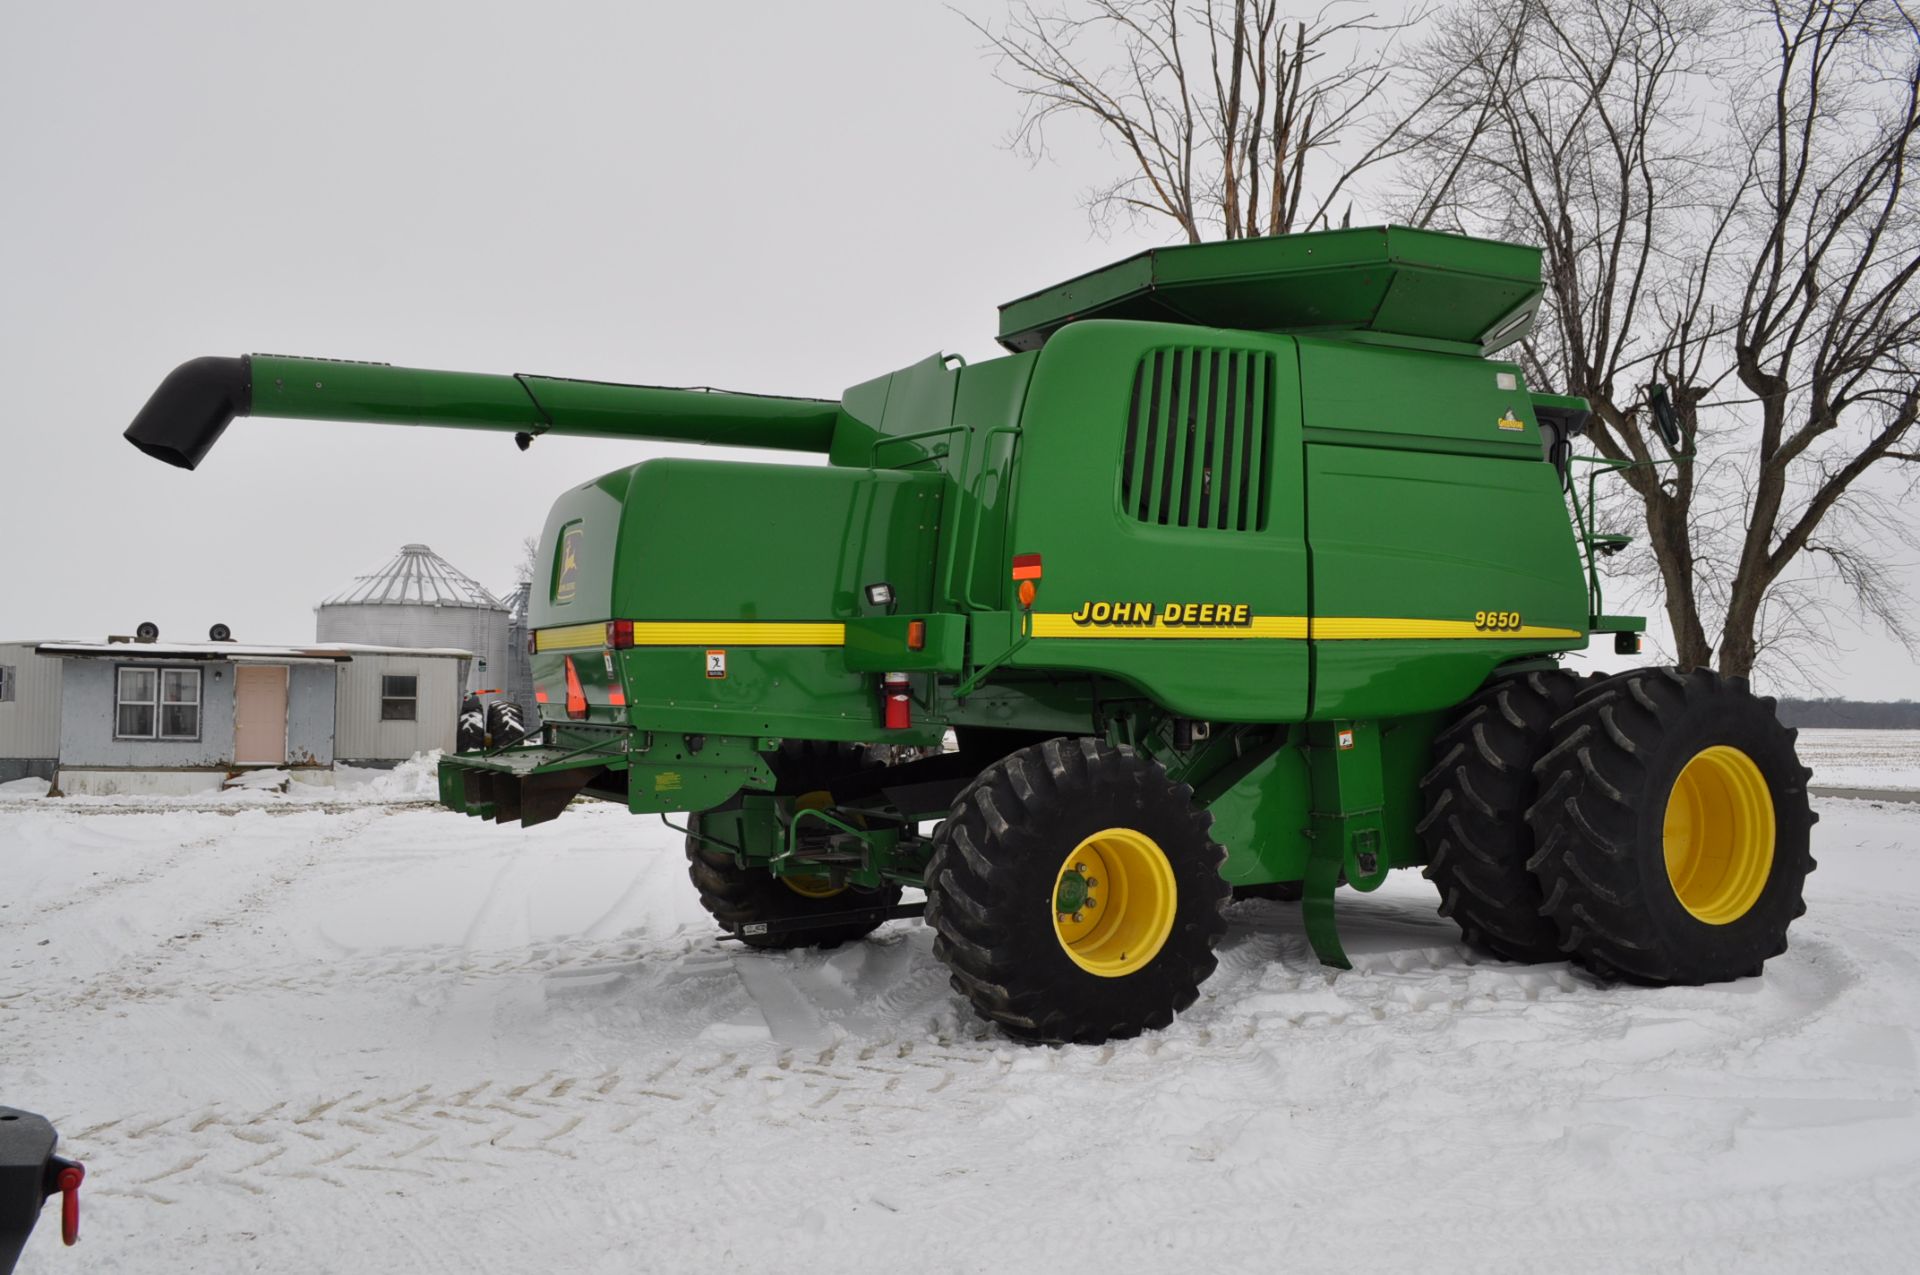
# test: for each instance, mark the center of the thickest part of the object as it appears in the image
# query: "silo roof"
(417, 576)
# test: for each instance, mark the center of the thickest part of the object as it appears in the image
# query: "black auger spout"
(197, 401)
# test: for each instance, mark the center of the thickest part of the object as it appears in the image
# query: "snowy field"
(1862, 758)
(305, 1038)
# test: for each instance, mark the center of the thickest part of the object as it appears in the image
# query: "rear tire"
(1673, 828)
(1130, 839)
(1476, 797)
(738, 897)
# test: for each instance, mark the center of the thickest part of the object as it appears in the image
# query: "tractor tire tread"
(996, 829)
(1474, 800)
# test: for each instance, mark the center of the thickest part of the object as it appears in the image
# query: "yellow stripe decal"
(698, 633)
(570, 638)
(1295, 627)
(1049, 625)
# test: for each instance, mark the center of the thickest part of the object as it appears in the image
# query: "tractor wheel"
(471, 734)
(1475, 828)
(504, 726)
(1673, 828)
(1076, 893)
(738, 897)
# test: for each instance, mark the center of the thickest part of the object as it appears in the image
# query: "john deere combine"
(1249, 566)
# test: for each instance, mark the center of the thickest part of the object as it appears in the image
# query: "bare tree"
(1225, 114)
(528, 567)
(1721, 194)
(1829, 312)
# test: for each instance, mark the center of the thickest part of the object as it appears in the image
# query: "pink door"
(260, 714)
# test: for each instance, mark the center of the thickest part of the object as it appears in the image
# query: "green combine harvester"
(1250, 567)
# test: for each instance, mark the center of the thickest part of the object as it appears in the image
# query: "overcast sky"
(763, 196)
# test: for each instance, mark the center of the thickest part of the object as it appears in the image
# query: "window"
(399, 697)
(157, 703)
(6, 683)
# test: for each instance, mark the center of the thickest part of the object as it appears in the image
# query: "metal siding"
(482, 630)
(87, 717)
(360, 735)
(30, 722)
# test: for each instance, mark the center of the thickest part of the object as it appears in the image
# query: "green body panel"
(807, 538)
(879, 644)
(1388, 279)
(1068, 508)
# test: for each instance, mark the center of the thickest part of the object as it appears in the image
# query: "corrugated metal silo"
(420, 599)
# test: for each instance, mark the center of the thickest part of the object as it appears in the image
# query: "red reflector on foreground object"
(916, 635)
(69, 1183)
(1026, 566)
(619, 634)
(576, 698)
(899, 714)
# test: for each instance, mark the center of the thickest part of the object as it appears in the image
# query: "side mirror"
(1663, 418)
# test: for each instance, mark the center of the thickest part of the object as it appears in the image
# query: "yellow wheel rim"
(1719, 835)
(812, 887)
(1113, 902)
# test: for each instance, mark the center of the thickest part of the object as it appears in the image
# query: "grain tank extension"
(1251, 567)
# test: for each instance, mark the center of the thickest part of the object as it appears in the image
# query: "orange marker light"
(1027, 592)
(916, 635)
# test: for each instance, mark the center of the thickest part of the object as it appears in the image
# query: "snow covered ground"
(316, 1038)
(1862, 758)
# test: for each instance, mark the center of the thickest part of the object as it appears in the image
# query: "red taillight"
(916, 635)
(895, 689)
(619, 634)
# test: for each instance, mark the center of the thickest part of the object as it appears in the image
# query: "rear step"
(529, 785)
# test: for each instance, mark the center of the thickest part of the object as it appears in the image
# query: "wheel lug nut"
(1079, 867)
(1077, 916)
(1092, 902)
(1092, 881)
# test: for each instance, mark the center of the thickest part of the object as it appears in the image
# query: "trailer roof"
(340, 652)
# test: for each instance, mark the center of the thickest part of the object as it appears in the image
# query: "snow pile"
(258, 781)
(412, 782)
(416, 779)
(506, 1049)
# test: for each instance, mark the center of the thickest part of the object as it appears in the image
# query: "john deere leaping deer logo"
(568, 583)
